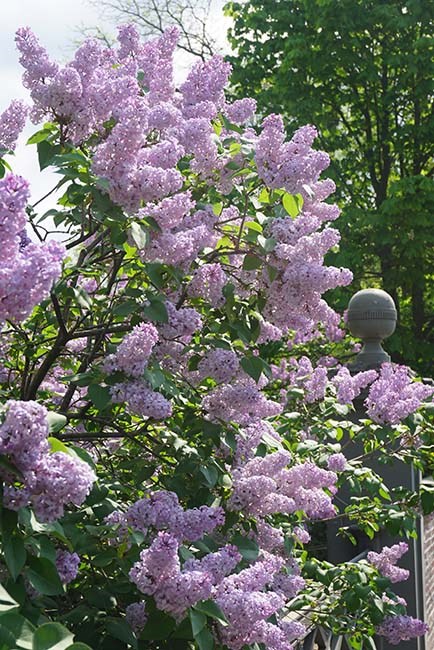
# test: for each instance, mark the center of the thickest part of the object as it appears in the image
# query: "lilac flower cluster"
(67, 566)
(250, 436)
(247, 606)
(313, 381)
(102, 84)
(182, 323)
(294, 296)
(133, 353)
(268, 537)
(162, 511)
(49, 481)
(394, 396)
(265, 486)
(288, 584)
(158, 573)
(14, 193)
(242, 402)
(269, 332)
(336, 462)
(154, 128)
(207, 283)
(141, 400)
(132, 358)
(180, 245)
(386, 560)
(136, 616)
(286, 164)
(202, 91)
(220, 364)
(240, 110)
(401, 628)
(12, 122)
(26, 272)
(350, 386)
(217, 565)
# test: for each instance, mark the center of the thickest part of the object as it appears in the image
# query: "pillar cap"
(372, 317)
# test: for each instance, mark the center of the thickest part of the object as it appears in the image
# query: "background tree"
(362, 71)
(152, 17)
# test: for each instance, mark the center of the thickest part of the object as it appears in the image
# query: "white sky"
(56, 24)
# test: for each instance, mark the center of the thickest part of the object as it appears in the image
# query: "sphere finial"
(372, 317)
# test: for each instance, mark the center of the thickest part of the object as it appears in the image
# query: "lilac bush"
(173, 409)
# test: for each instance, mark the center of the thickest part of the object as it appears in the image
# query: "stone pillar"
(428, 573)
(372, 317)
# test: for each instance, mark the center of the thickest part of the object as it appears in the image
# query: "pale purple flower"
(67, 566)
(134, 351)
(207, 283)
(336, 462)
(401, 628)
(135, 613)
(240, 110)
(12, 122)
(350, 386)
(141, 399)
(241, 401)
(386, 560)
(394, 395)
(220, 364)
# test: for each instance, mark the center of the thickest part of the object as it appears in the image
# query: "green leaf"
(371, 643)
(156, 310)
(15, 630)
(56, 421)
(198, 621)
(7, 603)
(159, 626)
(139, 235)
(120, 629)
(40, 136)
(210, 608)
(253, 366)
(44, 548)
(14, 553)
(205, 640)
(292, 204)
(57, 445)
(99, 396)
(251, 262)
(264, 196)
(125, 308)
(53, 528)
(9, 467)
(355, 641)
(247, 547)
(252, 225)
(46, 153)
(79, 646)
(82, 297)
(52, 636)
(211, 475)
(427, 498)
(43, 577)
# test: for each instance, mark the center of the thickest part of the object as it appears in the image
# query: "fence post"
(372, 316)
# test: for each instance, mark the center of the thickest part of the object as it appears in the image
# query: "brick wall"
(428, 568)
